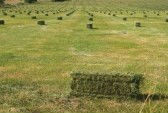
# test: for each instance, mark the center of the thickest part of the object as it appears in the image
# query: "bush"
(30, 1)
(106, 85)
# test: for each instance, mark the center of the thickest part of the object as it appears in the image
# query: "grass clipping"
(114, 85)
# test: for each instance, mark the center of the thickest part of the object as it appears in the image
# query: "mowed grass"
(36, 61)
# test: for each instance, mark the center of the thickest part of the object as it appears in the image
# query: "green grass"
(36, 61)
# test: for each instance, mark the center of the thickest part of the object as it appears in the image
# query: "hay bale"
(145, 16)
(59, 18)
(114, 15)
(5, 14)
(137, 24)
(125, 18)
(91, 14)
(90, 19)
(2, 22)
(89, 26)
(37, 12)
(28, 13)
(166, 20)
(33, 17)
(12, 16)
(41, 22)
(115, 85)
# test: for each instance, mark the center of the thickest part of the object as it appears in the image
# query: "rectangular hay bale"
(115, 85)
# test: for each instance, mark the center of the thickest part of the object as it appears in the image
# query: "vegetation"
(36, 60)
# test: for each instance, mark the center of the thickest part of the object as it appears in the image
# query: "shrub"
(106, 85)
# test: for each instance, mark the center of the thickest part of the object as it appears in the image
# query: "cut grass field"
(36, 61)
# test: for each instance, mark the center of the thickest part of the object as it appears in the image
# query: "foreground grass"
(36, 61)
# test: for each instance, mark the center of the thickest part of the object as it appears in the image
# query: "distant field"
(36, 61)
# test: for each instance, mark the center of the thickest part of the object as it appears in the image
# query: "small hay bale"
(166, 20)
(114, 15)
(59, 18)
(131, 14)
(91, 19)
(2, 22)
(89, 26)
(137, 24)
(37, 12)
(145, 16)
(91, 14)
(5, 14)
(125, 18)
(28, 13)
(12, 16)
(41, 22)
(33, 17)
